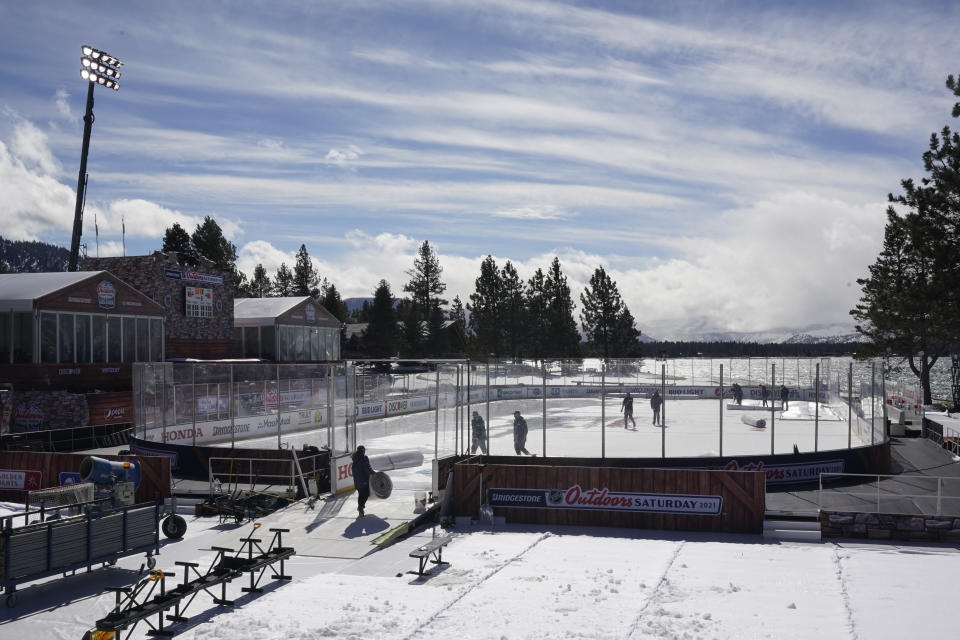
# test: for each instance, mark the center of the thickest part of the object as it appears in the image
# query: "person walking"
(785, 397)
(520, 434)
(737, 393)
(655, 402)
(361, 477)
(764, 393)
(627, 408)
(479, 434)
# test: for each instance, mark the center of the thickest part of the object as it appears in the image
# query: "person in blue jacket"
(361, 476)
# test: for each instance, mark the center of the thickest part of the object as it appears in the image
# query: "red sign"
(24, 480)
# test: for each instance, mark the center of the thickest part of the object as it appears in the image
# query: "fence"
(570, 407)
(901, 494)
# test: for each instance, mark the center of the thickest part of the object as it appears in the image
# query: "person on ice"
(655, 402)
(737, 393)
(785, 397)
(361, 476)
(479, 434)
(627, 407)
(764, 393)
(520, 434)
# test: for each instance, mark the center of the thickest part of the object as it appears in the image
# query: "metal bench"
(433, 547)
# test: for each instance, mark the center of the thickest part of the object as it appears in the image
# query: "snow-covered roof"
(251, 312)
(18, 291)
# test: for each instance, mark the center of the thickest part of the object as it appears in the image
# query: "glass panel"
(114, 335)
(129, 339)
(156, 339)
(99, 338)
(4, 338)
(268, 340)
(83, 338)
(22, 338)
(300, 334)
(143, 339)
(48, 337)
(286, 342)
(251, 342)
(238, 342)
(66, 337)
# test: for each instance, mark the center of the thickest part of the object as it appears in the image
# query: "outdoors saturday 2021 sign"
(577, 498)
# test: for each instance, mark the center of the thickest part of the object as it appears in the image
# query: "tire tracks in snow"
(471, 588)
(845, 596)
(656, 590)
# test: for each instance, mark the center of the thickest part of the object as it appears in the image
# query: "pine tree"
(260, 286)
(486, 309)
(283, 281)
(535, 302)
(437, 344)
(305, 278)
(601, 306)
(209, 242)
(458, 315)
(562, 335)
(425, 285)
(177, 240)
(380, 336)
(333, 303)
(910, 303)
(513, 311)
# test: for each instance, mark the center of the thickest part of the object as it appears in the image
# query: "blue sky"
(727, 163)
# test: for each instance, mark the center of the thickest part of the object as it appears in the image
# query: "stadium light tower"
(96, 67)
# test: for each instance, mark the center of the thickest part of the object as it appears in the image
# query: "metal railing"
(941, 494)
(240, 468)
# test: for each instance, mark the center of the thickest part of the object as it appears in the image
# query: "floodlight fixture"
(97, 68)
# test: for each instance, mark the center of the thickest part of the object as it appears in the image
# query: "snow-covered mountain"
(812, 334)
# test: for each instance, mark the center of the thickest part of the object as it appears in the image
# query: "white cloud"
(534, 212)
(29, 145)
(343, 156)
(31, 203)
(61, 99)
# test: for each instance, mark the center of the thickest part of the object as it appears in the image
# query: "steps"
(792, 530)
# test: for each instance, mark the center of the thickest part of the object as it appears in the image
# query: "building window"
(48, 337)
(83, 338)
(268, 342)
(22, 338)
(251, 342)
(99, 338)
(129, 339)
(114, 337)
(156, 340)
(199, 302)
(143, 340)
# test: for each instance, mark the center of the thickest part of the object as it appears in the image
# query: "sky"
(727, 163)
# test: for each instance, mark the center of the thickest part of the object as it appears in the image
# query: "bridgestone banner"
(606, 500)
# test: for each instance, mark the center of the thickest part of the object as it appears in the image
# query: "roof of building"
(18, 291)
(261, 311)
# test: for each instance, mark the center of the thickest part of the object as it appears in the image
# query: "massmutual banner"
(604, 499)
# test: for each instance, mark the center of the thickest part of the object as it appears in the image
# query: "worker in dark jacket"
(655, 402)
(627, 408)
(361, 476)
(479, 434)
(520, 434)
(785, 397)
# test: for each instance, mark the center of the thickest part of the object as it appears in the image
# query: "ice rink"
(575, 428)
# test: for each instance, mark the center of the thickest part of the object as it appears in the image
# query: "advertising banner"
(604, 499)
(789, 473)
(26, 480)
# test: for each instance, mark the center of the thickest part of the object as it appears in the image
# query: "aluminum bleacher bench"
(433, 547)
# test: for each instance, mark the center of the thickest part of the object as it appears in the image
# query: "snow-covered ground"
(516, 582)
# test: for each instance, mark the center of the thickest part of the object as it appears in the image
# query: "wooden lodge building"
(68, 340)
